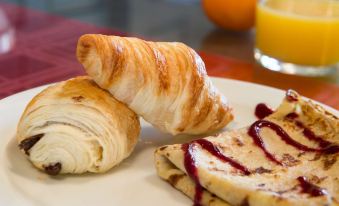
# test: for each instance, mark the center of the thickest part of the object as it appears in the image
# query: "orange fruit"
(235, 15)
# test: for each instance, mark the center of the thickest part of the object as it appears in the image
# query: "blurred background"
(38, 38)
(162, 20)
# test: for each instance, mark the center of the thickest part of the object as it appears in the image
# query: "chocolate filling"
(28, 143)
(53, 169)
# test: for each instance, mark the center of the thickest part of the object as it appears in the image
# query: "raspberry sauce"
(191, 168)
(307, 187)
(262, 111)
(254, 132)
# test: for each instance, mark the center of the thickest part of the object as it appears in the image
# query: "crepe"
(75, 127)
(287, 158)
(164, 82)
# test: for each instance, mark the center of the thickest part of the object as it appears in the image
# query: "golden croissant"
(165, 83)
(76, 127)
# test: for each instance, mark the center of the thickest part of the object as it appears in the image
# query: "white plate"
(133, 182)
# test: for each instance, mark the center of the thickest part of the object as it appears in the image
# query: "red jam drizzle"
(291, 96)
(262, 111)
(213, 150)
(325, 146)
(292, 115)
(332, 149)
(310, 188)
(192, 170)
(254, 132)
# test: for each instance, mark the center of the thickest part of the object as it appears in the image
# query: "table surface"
(226, 54)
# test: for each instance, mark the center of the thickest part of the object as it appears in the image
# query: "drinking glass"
(298, 36)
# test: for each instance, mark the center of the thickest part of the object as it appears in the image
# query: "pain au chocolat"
(75, 127)
(287, 158)
(164, 82)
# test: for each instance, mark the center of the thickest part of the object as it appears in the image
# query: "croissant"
(165, 83)
(75, 127)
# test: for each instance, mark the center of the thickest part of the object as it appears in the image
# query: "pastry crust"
(269, 183)
(166, 83)
(75, 127)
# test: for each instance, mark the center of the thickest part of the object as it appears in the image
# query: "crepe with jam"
(287, 157)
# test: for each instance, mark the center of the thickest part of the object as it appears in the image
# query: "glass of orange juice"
(298, 36)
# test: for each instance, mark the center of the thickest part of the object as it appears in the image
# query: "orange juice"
(304, 32)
